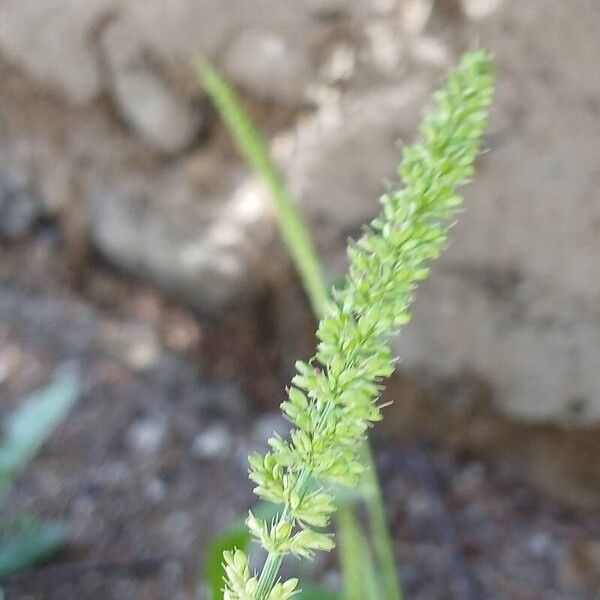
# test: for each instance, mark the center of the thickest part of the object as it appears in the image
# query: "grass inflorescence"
(334, 397)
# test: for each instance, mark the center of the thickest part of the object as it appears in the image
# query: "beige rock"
(269, 66)
(515, 301)
(208, 253)
(52, 41)
(155, 112)
(517, 297)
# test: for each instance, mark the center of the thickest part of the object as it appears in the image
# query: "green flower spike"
(334, 397)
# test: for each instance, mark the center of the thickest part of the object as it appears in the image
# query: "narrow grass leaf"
(251, 144)
(33, 421)
(356, 560)
(236, 537)
(24, 548)
(316, 593)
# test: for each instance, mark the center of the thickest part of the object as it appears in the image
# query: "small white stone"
(340, 64)
(540, 543)
(156, 490)
(152, 109)
(480, 9)
(178, 528)
(113, 474)
(171, 573)
(135, 344)
(419, 505)
(147, 436)
(467, 481)
(212, 443)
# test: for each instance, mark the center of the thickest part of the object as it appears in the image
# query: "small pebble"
(178, 528)
(468, 480)
(171, 573)
(540, 543)
(147, 436)
(214, 442)
(156, 490)
(419, 505)
(19, 210)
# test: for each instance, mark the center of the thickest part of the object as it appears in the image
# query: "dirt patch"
(152, 462)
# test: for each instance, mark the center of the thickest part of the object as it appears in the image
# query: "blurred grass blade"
(316, 593)
(24, 547)
(380, 533)
(33, 421)
(236, 536)
(293, 229)
(356, 561)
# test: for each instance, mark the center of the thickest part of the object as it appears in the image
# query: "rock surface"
(206, 251)
(19, 210)
(51, 42)
(339, 162)
(164, 121)
(268, 65)
(516, 299)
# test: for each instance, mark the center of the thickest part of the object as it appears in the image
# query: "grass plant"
(334, 398)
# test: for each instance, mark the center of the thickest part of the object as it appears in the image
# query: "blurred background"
(135, 242)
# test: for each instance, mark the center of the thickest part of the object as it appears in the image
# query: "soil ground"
(151, 465)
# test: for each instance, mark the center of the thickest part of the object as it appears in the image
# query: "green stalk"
(299, 242)
(358, 571)
(380, 532)
(293, 229)
(268, 575)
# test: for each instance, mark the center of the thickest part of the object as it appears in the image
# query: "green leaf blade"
(236, 537)
(251, 144)
(33, 422)
(24, 548)
(316, 593)
(356, 560)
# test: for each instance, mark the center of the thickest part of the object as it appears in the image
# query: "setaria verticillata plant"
(334, 397)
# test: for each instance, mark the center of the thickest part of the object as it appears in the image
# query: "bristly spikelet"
(333, 398)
